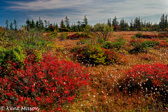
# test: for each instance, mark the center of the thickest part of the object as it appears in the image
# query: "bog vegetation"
(90, 69)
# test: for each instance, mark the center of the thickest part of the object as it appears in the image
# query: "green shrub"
(100, 40)
(63, 36)
(148, 43)
(89, 54)
(139, 35)
(55, 33)
(117, 44)
(14, 54)
(94, 54)
(139, 47)
(2, 36)
(133, 37)
(107, 45)
(142, 46)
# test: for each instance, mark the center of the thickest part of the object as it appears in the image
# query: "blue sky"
(95, 10)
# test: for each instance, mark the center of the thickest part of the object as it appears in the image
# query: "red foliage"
(157, 73)
(116, 27)
(132, 42)
(163, 44)
(148, 78)
(113, 57)
(77, 36)
(150, 36)
(44, 84)
(154, 36)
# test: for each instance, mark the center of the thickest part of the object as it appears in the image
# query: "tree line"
(135, 25)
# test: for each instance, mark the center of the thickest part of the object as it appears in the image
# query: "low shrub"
(94, 54)
(149, 43)
(163, 44)
(64, 29)
(100, 40)
(142, 46)
(107, 45)
(117, 44)
(63, 36)
(78, 36)
(139, 35)
(148, 78)
(51, 36)
(14, 54)
(47, 84)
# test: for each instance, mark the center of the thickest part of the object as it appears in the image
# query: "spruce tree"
(11, 26)
(109, 22)
(62, 24)
(7, 25)
(28, 24)
(85, 20)
(15, 23)
(33, 24)
(162, 22)
(115, 23)
(67, 23)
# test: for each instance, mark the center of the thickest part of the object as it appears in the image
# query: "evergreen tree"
(122, 24)
(51, 27)
(11, 26)
(79, 25)
(162, 22)
(41, 25)
(45, 21)
(15, 23)
(62, 24)
(109, 22)
(7, 24)
(48, 23)
(137, 23)
(131, 25)
(56, 25)
(67, 23)
(165, 23)
(85, 20)
(74, 28)
(37, 24)
(115, 23)
(32, 25)
(28, 24)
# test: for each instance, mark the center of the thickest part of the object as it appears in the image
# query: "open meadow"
(84, 72)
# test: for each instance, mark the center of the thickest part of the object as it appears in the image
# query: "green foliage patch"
(95, 54)
(117, 44)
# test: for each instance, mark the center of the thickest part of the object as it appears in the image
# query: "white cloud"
(47, 4)
(97, 10)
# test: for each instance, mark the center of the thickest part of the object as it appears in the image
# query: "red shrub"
(150, 36)
(132, 42)
(163, 44)
(78, 36)
(51, 82)
(148, 77)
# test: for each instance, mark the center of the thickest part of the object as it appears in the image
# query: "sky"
(96, 11)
